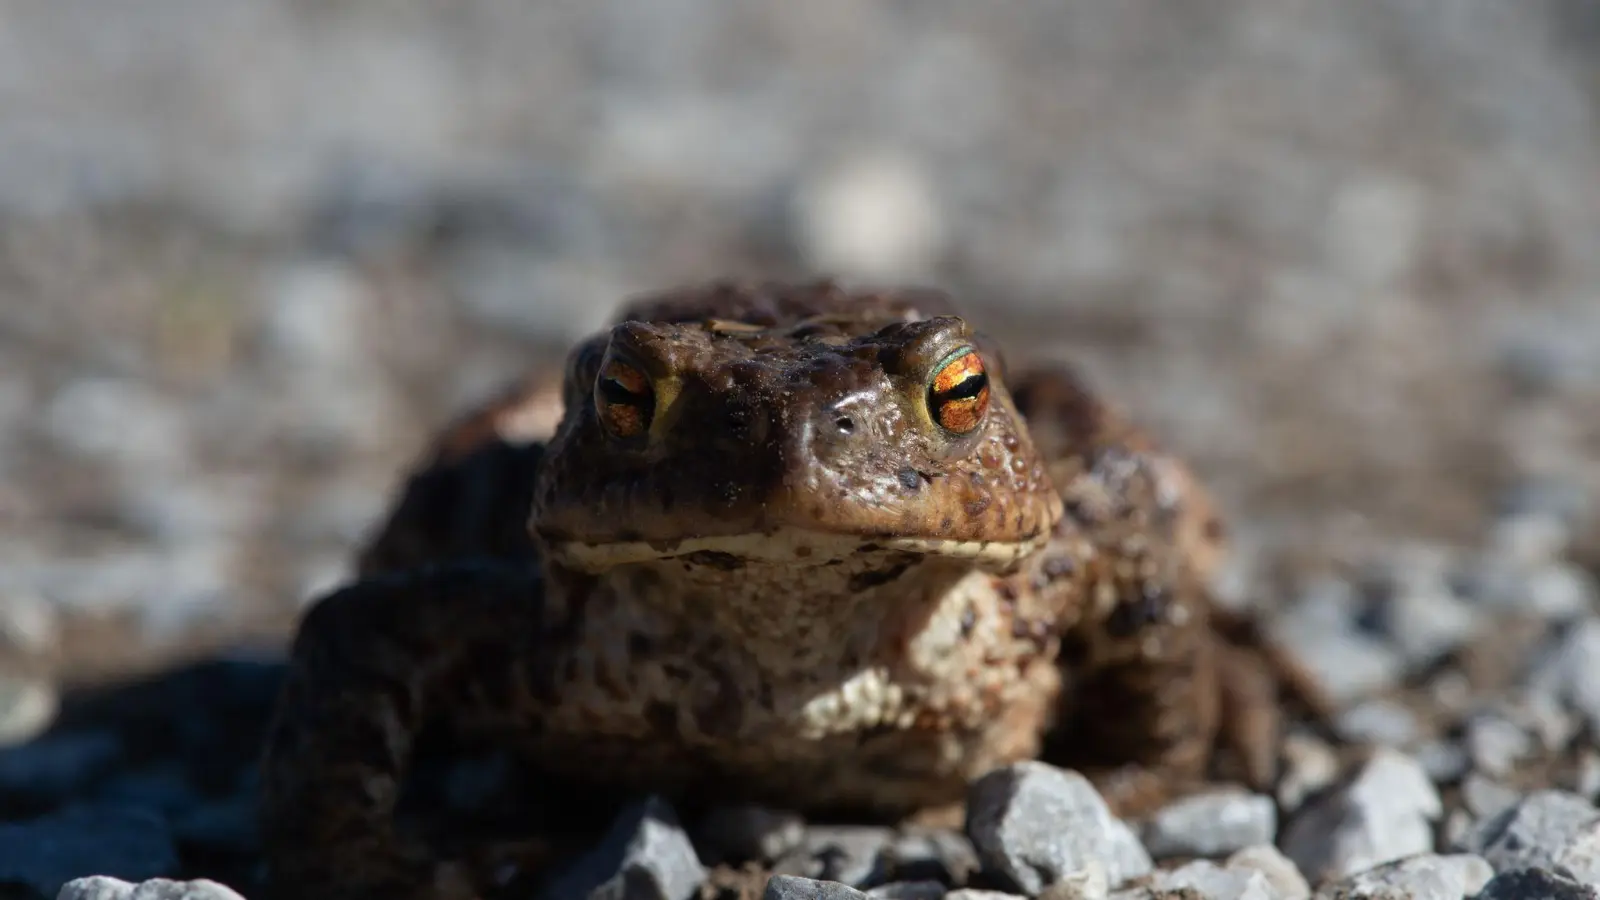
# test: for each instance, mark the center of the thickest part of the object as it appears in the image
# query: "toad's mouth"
(785, 547)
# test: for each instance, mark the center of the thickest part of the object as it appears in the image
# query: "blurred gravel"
(1345, 257)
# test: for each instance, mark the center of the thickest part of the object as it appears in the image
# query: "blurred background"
(1344, 256)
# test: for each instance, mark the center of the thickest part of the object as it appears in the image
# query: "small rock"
(118, 421)
(1215, 823)
(29, 624)
(793, 887)
(870, 216)
(740, 833)
(1535, 884)
(1444, 761)
(1319, 631)
(1427, 624)
(1485, 797)
(645, 855)
(1426, 876)
(46, 853)
(27, 707)
(1496, 744)
(909, 890)
(1529, 538)
(99, 887)
(1309, 766)
(946, 856)
(1378, 721)
(851, 854)
(1564, 499)
(1034, 824)
(975, 894)
(1546, 829)
(1284, 878)
(1205, 879)
(1383, 813)
(1558, 592)
(1088, 883)
(315, 315)
(1571, 673)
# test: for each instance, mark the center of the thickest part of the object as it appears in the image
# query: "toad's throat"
(788, 547)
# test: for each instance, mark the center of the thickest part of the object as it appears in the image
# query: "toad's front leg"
(1152, 683)
(373, 664)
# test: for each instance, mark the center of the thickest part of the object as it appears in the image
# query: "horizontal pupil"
(613, 392)
(966, 388)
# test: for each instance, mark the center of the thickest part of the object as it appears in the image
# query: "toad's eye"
(624, 398)
(958, 395)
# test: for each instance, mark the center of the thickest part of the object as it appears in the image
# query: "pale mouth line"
(791, 547)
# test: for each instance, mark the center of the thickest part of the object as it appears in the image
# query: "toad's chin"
(785, 547)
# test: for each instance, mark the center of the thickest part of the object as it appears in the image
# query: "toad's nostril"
(845, 424)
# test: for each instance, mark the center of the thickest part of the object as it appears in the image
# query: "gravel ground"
(1346, 257)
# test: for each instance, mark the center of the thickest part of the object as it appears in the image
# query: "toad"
(799, 545)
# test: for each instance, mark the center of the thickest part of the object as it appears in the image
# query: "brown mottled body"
(790, 545)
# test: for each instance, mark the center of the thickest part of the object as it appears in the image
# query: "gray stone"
(645, 856)
(1214, 823)
(1529, 538)
(1535, 884)
(1571, 672)
(1444, 761)
(1034, 824)
(1382, 813)
(1484, 796)
(1309, 765)
(315, 314)
(1496, 744)
(1205, 879)
(1425, 624)
(909, 890)
(851, 854)
(740, 833)
(29, 624)
(1546, 828)
(1282, 875)
(793, 887)
(27, 707)
(1556, 592)
(1378, 721)
(869, 215)
(102, 888)
(1564, 499)
(941, 855)
(1319, 632)
(45, 853)
(975, 894)
(118, 421)
(1426, 876)
(96, 887)
(1088, 883)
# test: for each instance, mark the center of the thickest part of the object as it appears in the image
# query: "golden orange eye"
(958, 395)
(624, 399)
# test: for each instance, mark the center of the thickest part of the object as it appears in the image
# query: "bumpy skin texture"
(773, 576)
